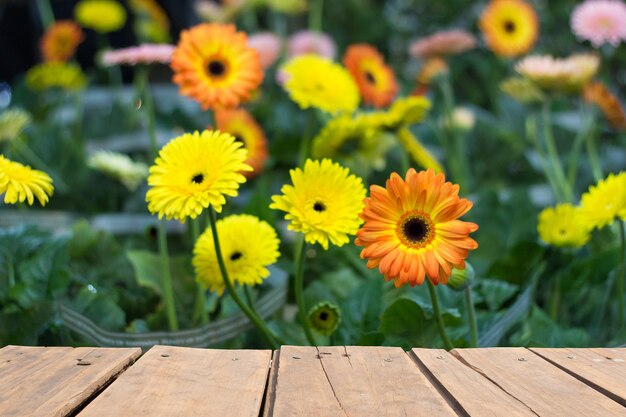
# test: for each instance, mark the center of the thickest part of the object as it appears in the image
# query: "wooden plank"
(470, 391)
(544, 388)
(602, 369)
(55, 381)
(176, 381)
(270, 390)
(353, 381)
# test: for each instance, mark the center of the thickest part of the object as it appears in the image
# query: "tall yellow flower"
(323, 203)
(103, 16)
(412, 231)
(214, 65)
(63, 75)
(564, 226)
(21, 183)
(605, 202)
(314, 81)
(510, 27)
(404, 111)
(194, 171)
(249, 246)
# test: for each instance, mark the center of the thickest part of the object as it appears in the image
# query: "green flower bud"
(461, 278)
(324, 318)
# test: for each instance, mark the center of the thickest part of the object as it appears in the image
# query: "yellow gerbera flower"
(563, 225)
(605, 202)
(151, 23)
(214, 65)
(100, 15)
(194, 171)
(22, 183)
(60, 41)
(314, 81)
(62, 75)
(12, 123)
(404, 111)
(375, 79)
(510, 27)
(241, 124)
(248, 246)
(522, 89)
(324, 202)
(120, 167)
(354, 143)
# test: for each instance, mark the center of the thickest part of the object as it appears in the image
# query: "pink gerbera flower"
(450, 42)
(600, 21)
(268, 45)
(142, 54)
(310, 42)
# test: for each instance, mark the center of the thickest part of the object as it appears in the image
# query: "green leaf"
(496, 292)
(406, 319)
(540, 330)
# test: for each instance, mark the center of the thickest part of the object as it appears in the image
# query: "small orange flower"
(431, 69)
(375, 79)
(214, 65)
(60, 41)
(412, 230)
(241, 124)
(610, 106)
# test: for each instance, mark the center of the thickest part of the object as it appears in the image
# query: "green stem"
(148, 103)
(555, 299)
(442, 328)
(246, 291)
(572, 164)
(258, 322)
(199, 313)
(532, 137)
(299, 285)
(594, 158)
(316, 13)
(20, 146)
(471, 317)
(455, 148)
(45, 13)
(553, 155)
(620, 277)
(168, 293)
(305, 144)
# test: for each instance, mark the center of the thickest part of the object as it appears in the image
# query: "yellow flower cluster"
(103, 16)
(65, 76)
(567, 225)
(21, 183)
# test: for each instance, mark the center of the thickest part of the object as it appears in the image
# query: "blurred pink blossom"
(268, 45)
(444, 43)
(600, 21)
(142, 54)
(310, 42)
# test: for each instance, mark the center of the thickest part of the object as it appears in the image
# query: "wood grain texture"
(55, 381)
(544, 388)
(603, 369)
(471, 392)
(175, 381)
(353, 381)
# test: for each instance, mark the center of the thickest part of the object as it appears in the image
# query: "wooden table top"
(309, 381)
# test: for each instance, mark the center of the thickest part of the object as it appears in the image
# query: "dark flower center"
(509, 26)
(197, 179)
(216, 68)
(370, 78)
(416, 229)
(324, 315)
(239, 138)
(235, 256)
(319, 206)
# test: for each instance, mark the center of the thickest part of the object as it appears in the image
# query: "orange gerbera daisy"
(598, 94)
(412, 230)
(241, 124)
(375, 79)
(214, 65)
(60, 41)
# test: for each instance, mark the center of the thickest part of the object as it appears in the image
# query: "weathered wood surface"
(604, 369)
(352, 381)
(175, 381)
(38, 381)
(312, 381)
